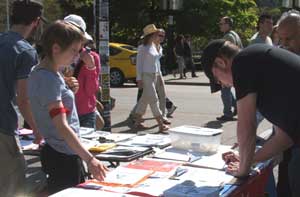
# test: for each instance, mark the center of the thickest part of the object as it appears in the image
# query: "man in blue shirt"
(17, 57)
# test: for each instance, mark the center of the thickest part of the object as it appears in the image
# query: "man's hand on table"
(230, 157)
(233, 165)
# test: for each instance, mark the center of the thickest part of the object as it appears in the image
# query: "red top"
(88, 87)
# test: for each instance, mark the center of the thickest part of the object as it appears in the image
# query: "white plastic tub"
(199, 139)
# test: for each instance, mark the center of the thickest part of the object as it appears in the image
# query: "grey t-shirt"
(45, 87)
(233, 37)
(257, 39)
(17, 57)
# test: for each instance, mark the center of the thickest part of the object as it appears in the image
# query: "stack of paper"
(149, 140)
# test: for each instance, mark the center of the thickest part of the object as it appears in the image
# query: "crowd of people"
(57, 93)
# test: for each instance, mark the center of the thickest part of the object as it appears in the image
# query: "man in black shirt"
(289, 30)
(266, 78)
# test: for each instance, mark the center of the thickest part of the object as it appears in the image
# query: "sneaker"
(171, 111)
(225, 118)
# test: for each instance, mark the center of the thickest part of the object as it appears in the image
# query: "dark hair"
(147, 38)
(62, 33)
(228, 20)
(24, 12)
(179, 38)
(228, 50)
(262, 19)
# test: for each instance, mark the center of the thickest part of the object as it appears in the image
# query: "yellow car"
(122, 60)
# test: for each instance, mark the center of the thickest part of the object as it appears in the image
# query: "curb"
(186, 83)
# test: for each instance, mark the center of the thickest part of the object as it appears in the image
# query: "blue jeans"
(228, 101)
(88, 120)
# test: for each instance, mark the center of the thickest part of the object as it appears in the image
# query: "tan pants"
(12, 167)
(161, 91)
(149, 95)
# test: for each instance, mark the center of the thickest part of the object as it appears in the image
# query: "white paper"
(148, 140)
(213, 161)
(178, 155)
(199, 182)
(206, 177)
(118, 137)
(88, 143)
(79, 192)
(154, 186)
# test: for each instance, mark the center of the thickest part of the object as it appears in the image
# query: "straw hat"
(149, 29)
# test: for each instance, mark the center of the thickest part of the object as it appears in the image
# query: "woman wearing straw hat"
(148, 70)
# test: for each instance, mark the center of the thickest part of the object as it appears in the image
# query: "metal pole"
(7, 15)
(104, 55)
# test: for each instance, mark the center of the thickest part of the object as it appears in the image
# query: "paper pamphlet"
(128, 177)
(154, 165)
(214, 161)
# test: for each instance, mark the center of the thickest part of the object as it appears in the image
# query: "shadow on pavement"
(128, 126)
(215, 124)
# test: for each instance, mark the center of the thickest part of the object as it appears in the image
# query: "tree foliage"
(200, 18)
(197, 17)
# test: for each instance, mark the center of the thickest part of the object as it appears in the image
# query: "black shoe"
(194, 76)
(225, 118)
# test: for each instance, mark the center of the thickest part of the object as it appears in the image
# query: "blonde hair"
(62, 33)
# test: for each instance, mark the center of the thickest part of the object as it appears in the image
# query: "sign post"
(103, 47)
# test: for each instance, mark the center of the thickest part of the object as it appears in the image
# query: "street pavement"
(196, 106)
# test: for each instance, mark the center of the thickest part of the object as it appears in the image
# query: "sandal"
(166, 121)
(164, 129)
(140, 126)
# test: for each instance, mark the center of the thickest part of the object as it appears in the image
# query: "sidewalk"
(201, 80)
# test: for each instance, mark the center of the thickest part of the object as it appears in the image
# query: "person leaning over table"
(275, 95)
(55, 112)
(288, 30)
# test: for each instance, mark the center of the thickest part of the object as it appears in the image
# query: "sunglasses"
(160, 35)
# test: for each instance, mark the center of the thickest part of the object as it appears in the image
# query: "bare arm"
(246, 133)
(278, 143)
(25, 109)
(97, 169)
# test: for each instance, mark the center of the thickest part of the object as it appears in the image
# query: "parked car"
(122, 61)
